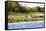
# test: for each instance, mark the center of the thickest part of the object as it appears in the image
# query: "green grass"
(13, 18)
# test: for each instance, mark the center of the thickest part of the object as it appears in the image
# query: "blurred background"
(20, 11)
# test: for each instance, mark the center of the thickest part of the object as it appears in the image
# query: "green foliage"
(15, 10)
(12, 5)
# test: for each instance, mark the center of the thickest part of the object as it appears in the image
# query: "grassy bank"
(16, 18)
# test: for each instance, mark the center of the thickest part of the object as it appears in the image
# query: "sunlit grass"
(14, 18)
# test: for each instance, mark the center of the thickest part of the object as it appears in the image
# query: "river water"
(31, 24)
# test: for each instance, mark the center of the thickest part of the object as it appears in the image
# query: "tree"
(12, 5)
(38, 8)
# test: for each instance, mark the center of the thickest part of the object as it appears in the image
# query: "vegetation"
(13, 18)
(15, 11)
